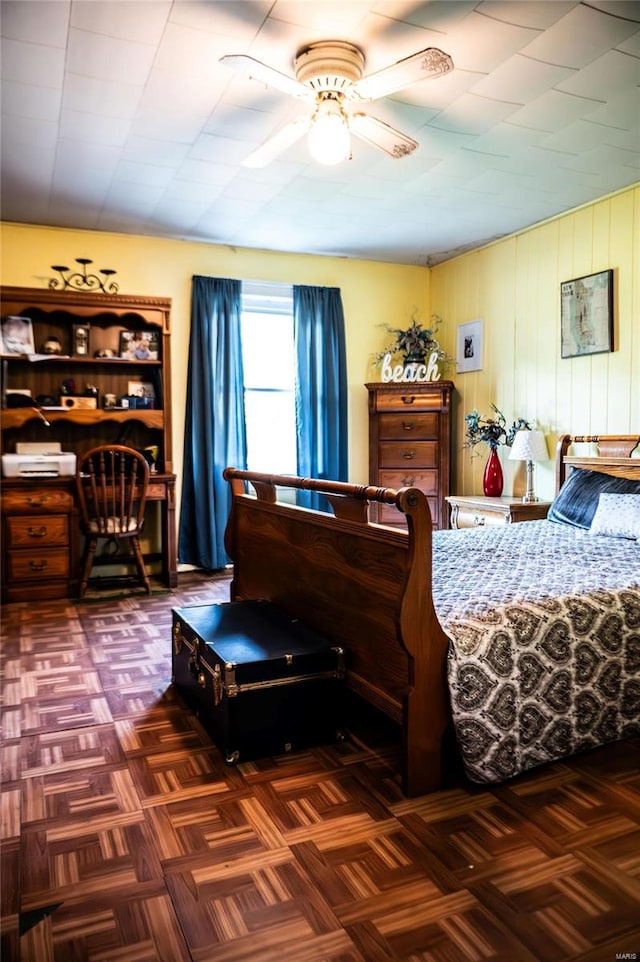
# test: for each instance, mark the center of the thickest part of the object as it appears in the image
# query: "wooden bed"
(369, 588)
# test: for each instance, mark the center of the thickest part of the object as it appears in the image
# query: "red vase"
(493, 481)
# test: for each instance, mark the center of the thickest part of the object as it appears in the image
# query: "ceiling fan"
(328, 74)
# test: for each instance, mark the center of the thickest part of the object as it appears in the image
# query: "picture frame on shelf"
(81, 334)
(586, 315)
(16, 335)
(469, 346)
(141, 389)
(139, 345)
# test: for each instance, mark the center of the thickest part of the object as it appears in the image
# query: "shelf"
(66, 359)
(17, 417)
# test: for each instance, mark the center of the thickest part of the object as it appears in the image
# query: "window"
(269, 377)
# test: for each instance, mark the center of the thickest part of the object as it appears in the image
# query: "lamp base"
(529, 494)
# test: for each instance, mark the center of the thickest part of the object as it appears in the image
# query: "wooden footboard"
(364, 586)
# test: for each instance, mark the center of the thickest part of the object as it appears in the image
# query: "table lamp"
(529, 446)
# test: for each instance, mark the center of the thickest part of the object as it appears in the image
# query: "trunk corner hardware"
(178, 640)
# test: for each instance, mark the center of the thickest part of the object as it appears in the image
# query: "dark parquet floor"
(126, 838)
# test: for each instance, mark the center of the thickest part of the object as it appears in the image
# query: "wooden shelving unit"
(38, 515)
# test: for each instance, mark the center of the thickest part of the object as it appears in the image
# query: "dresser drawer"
(427, 481)
(468, 517)
(36, 501)
(46, 529)
(388, 514)
(408, 425)
(30, 565)
(408, 400)
(397, 454)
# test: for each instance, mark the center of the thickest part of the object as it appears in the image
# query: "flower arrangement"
(491, 430)
(414, 342)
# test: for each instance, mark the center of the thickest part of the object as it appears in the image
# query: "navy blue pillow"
(577, 500)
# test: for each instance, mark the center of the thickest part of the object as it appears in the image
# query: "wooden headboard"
(617, 454)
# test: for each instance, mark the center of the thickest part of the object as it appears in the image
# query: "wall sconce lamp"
(529, 446)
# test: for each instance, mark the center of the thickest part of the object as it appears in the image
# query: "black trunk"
(261, 682)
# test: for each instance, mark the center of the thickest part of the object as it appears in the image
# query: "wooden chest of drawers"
(410, 444)
(38, 538)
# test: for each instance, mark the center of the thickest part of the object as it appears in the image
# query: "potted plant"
(414, 343)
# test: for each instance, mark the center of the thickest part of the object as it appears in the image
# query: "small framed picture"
(469, 347)
(81, 333)
(17, 335)
(586, 315)
(139, 345)
(141, 389)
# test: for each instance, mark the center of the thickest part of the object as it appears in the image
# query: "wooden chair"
(112, 482)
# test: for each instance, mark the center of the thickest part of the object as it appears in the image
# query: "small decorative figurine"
(51, 346)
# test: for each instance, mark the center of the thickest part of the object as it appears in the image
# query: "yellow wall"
(372, 294)
(514, 286)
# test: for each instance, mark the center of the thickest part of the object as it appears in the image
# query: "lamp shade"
(529, 446)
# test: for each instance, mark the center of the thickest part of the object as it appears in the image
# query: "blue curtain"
(214, 436)
(321, 388)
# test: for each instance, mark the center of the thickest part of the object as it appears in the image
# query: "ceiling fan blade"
(255, 70)
(424, 65)
(277, 144)
(381, 135)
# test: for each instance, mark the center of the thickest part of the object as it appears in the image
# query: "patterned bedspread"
(544, 622)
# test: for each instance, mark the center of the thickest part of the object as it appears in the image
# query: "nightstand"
(474, 511)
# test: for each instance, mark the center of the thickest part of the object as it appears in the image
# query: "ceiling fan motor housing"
(329, 65)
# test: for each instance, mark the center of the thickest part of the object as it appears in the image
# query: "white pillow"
(617, 516)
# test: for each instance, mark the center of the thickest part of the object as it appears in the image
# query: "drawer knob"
(407, 398)
(37, 532)
(37, 565)
(479, 520)
(408, 425)
(408, 482)
(41, 499)
(408, 455)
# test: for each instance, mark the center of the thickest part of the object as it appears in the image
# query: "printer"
(39, 460)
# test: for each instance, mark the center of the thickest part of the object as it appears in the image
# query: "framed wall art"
(586, 315)
(469, 347)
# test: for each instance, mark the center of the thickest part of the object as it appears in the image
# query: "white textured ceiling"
(117, 116)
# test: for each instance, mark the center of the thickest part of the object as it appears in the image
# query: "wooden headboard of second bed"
(617, 455)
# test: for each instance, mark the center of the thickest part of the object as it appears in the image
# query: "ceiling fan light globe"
(329, 139)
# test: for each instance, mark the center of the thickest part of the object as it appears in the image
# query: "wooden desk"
(41, 534)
